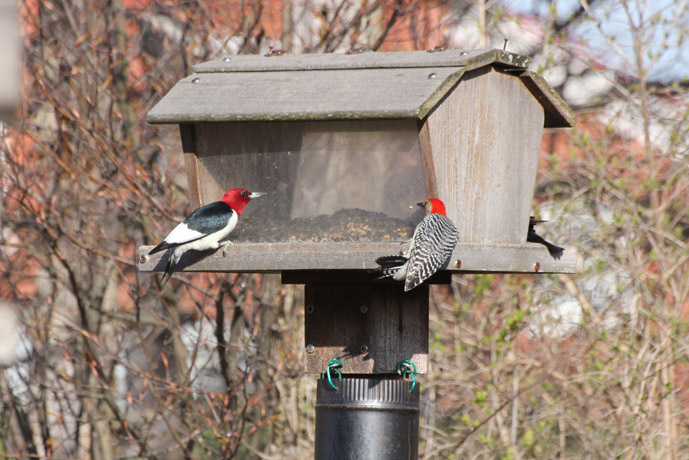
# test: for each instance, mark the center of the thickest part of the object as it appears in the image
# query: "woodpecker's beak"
(256, 195)
(422, 204)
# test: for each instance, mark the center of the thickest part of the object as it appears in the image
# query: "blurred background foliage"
(108, 365)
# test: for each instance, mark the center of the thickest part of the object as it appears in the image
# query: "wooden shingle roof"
(397, 85)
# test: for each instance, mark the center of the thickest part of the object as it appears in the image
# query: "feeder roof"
(396, 85)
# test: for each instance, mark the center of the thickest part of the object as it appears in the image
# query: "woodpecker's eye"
(244, 193)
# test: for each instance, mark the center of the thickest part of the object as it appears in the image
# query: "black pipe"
(367, 419)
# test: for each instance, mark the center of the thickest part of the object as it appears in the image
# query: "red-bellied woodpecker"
(429, 249)
(205, 228)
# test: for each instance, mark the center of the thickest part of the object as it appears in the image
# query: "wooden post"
(369, 327)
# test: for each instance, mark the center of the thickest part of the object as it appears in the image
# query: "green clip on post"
(334, 364)
(407, 368)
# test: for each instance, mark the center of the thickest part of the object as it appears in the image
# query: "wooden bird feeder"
(344, 146)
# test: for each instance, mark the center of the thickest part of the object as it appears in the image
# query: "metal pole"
(367, 419)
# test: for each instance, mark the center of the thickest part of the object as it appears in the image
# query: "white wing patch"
(182, 234)
(204, 242)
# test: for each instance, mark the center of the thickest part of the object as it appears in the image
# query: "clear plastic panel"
(324, 181)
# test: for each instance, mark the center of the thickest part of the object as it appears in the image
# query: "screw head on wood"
(196, 80)
(364, 349)
(458, 264)
(437, 49)
(310, 348)
(363, 309)
(537, 267)
(143, 258)
(309, 308)
(432, 75)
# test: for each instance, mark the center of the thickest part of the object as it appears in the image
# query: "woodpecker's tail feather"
(555, 251)
(389, 265)
(391, 261)
(169, 269)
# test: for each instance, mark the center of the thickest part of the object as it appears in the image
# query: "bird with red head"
(429, 250)
(206, 228)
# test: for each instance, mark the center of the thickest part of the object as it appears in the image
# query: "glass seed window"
(325, 181)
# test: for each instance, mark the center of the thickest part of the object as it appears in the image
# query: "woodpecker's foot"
(224, 247)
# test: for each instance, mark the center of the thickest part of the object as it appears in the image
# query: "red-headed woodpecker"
(205, 228)
(429, 249)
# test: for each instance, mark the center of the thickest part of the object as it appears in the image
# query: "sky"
(609, 41)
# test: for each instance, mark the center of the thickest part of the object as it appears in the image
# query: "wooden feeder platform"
(361, 256)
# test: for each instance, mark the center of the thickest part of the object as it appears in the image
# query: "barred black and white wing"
(432, 244)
